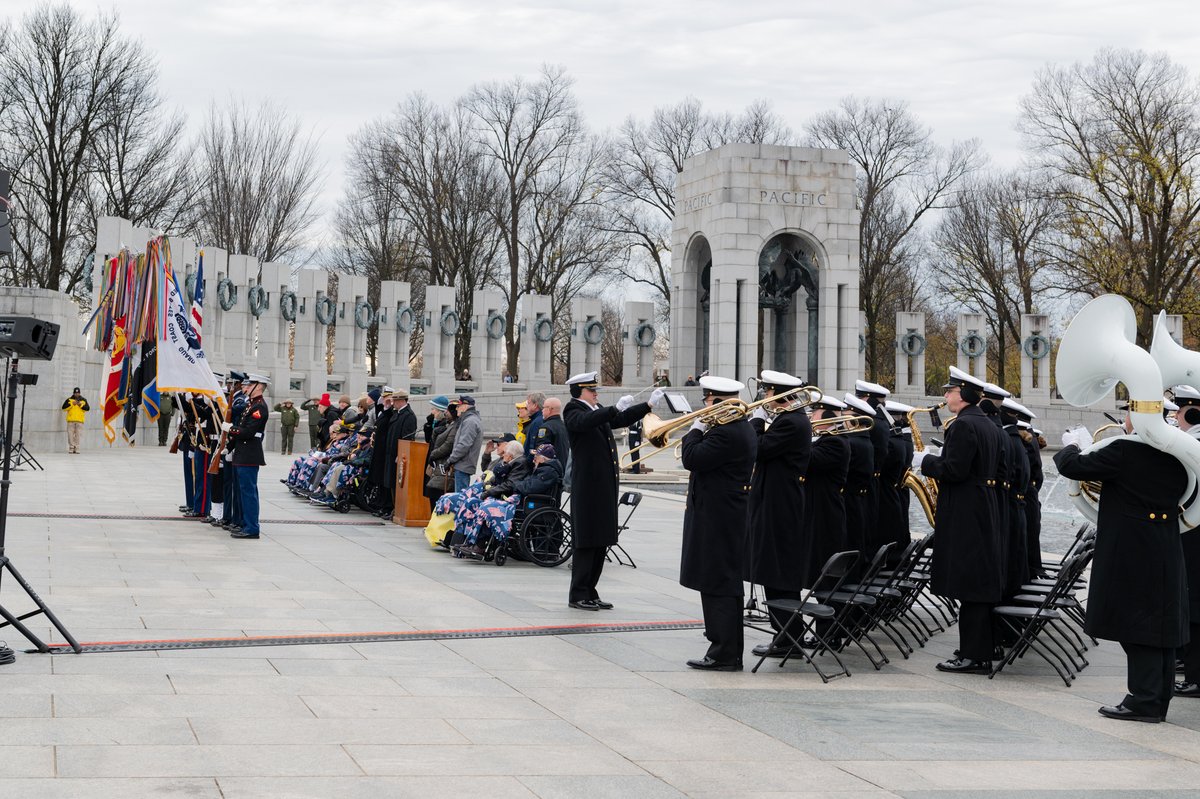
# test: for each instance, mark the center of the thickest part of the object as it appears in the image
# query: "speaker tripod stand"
(21, 453)
(6, 565)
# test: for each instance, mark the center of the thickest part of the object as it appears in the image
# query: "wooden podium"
(412, 506)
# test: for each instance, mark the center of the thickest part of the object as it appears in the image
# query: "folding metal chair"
(856, 608)
(890, 601)
(797, 626)
(616, 551)
(1034, 625)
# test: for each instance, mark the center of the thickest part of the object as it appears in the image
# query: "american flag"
(198, 298)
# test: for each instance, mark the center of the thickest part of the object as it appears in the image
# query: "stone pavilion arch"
(765, 265)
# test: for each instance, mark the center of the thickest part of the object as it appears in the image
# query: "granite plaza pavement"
(603, 715)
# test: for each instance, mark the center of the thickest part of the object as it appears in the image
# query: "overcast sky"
(961, 66)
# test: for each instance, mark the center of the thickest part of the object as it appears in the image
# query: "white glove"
(1069, 438)
(624, 402)
(1082, 437)
(656, 397)
(761, 413)
(229, 457)
(699, 425)
(933, 450)
(226, 426)
(917, 458)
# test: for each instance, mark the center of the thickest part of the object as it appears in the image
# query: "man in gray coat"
(468, 441)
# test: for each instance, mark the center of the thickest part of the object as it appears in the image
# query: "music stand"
(17, 622)
(21, 453)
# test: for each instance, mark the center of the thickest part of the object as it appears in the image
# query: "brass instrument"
(841, 425)
(925, 488)
(657, 432)
(802, 397)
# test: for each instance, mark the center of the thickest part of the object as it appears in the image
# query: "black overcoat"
(1033, 503)
(825, 502)
(377, 474)
(402, 428)
(1001, 486)
(1017, 566)
(777, 543)
(1138, 589)
(859, 479)
(892, 527)
(714, 522)
(966, 547)
(880, 433)
(906, 495)
(594, 468)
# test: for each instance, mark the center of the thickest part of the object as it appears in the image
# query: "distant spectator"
(691, 381)
(289, 419)
(533, 409)
(166, 410)
(468, 441)
(76, 408)
(315, 408)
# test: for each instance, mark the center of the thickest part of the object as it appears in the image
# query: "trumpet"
(841, 425)
(657, 432)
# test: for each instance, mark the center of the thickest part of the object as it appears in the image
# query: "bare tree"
(992, 246)
(902, 175)
(524, 128)
(642, 170)
(260, 177)
(1119, 139)
(61, 78)
(612, 346)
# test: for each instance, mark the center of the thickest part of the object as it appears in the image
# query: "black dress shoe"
(708, 664)
(771, 651)
(1187, 689)
(584, 604)
(183, 508)
(1125, 714)
(234, 528)
(961, 665)
(240, 534)
(600, 603)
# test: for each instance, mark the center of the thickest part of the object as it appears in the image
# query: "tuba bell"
(1098, 351)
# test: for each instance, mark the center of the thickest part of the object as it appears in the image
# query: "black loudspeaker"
(26, 337)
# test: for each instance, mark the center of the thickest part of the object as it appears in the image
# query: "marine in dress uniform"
(594, 481)
(1187, 415)
(1137, 594)
(966, 547)
(824, 491)
(247, 439)
(721, 460)
(232, 510)
(777, 548)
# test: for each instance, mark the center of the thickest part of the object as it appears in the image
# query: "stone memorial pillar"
(1175, 328)
(396, 322)
(215, 323)
(311, 348)
(910, 354)
(487, 339)
(241, 327)
(861, 345)
(441, 328)
(972, 344)
(638, 338)
(1035, 357)
(537, 335)
(273, 327)
(354, 317)
(587, 336)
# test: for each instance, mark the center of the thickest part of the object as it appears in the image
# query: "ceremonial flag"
(198, 300)
(181, 362)
(151, 399)
(114, 396)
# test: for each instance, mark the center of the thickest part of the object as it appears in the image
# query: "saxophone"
(924, 488)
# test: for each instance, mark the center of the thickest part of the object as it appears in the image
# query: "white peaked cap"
(1016, 407)
(779, 379)
(858, 404)
(583, 377)
(721, 385)
(863, 387)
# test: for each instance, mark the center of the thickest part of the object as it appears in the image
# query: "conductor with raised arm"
(595, 480)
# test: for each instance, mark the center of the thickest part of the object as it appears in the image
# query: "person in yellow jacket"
(522, 420)
(76, 408)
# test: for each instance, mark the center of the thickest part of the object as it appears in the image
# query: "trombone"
(657, 432)
(841, 425)
(801, 397)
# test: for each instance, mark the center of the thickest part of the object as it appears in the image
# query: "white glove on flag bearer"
(226, 426)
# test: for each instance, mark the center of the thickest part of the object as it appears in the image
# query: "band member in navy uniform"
(721, 460)
(966, 548)
(247, 438)
(860, 482)
(824, 490)
(1033, 504)
(894, 501)
(1187, 414)
(777, 548)
(594, 481)
(875, 395)
(1137, 594)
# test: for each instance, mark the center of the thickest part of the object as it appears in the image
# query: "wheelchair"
(362, 494)
(541, 534)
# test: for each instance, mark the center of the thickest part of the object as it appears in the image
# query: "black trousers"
(1150, 678)
(975, 641)
(586, 566)
(1191, 655)
(779, 618)
(723, 627)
